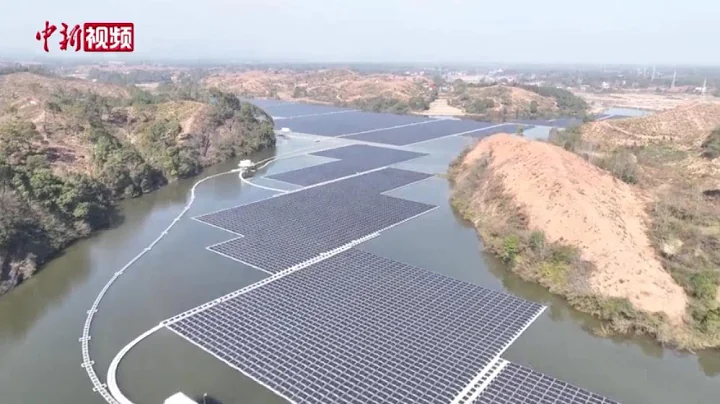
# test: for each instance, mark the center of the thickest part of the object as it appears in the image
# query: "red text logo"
(91, 37)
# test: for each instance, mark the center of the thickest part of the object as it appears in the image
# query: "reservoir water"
(41, 321)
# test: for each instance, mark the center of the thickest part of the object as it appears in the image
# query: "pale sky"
(435, 31)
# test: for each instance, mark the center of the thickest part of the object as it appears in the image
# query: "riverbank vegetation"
(70, 148)
(664, 161)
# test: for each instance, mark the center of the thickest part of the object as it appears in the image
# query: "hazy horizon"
(389, 31)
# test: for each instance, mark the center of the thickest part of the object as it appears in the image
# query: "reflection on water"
(20, 308)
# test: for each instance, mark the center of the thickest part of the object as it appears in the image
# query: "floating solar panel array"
(407, 135)
(353, 159)
(288, 229)
(354, 327)
(516, 384)
(358, 328)
(351, 122)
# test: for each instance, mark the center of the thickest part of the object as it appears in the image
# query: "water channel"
(41, 321)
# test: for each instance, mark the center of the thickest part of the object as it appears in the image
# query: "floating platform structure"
(179, 398)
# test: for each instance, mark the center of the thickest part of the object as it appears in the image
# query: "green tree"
(533, 107)
(16, 140)
(711, 145)
(299, 92)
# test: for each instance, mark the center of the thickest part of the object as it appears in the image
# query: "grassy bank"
(479, 197)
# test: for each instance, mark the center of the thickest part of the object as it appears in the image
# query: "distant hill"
(376, 92)
(514, 102)
(69, 148)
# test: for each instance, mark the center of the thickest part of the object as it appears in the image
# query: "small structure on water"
(179, 398)
(245, 164)
(285, 130)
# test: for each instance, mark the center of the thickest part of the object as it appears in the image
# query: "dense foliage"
(711, 145)
(41, 212)
(568, 103)
(381, 104)
(130, 145)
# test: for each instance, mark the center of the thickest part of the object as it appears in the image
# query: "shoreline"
(558, 267)
(115, 217)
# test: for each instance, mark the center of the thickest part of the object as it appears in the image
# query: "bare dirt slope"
(686, 125)
(576, 203)
(441, 107)
(643, 100)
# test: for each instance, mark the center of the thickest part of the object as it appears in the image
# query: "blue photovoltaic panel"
(288, 229)
(380, 156)
(516, 384)
(353, 159)
(358, 328)
(300, 110)
(351, 122)
(419, 133)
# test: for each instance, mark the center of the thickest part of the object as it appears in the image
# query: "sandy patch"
(441, 107)
(576, 203)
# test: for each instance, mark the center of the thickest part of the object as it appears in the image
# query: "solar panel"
(516, 384)
(351, 122)
(418, 133)
(291, 110)
(288, 229)
(353, 159)
(358, 328)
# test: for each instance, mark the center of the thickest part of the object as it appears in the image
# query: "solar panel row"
(418, 133)
(516, 384)
(353, 159)
(355, 327)
(288, 229)
(351, 122)
(358, 328)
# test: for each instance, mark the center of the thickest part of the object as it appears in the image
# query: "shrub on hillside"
(621, 163)
(711, 145)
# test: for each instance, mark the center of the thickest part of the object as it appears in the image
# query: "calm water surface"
(41, 321)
